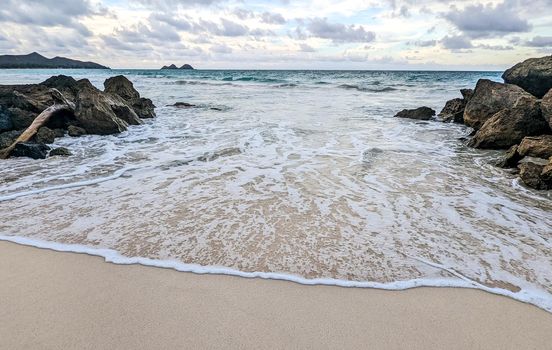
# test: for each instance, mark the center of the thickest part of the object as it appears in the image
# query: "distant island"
(172, 66)
(36, 60)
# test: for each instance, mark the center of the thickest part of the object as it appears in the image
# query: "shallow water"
(301, 175)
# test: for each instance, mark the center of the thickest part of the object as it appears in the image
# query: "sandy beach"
(53, 300)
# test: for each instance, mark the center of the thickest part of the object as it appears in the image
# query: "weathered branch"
(33, 128)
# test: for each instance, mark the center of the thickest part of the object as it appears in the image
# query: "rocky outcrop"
(532, 175)
(546, 107)
(453, 111)
(421, 113)
(31, 150)
(88, 109)
(509, 126)
(536, 146)
(533, 75)
(172, 66)
(124, 88)
(489, 98)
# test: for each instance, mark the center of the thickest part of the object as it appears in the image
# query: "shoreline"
(112, 256)
(70, 300)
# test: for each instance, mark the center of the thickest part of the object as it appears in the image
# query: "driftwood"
(33, 128)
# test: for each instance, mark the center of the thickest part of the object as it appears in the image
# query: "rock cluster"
(514, 115)
(89, 111)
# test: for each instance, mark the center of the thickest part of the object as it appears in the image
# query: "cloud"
(484, 20)
(306, 48)
(456, 42)
(337, 32)
(272, 18)
(48, 13)
(221, 48)
(540, 41)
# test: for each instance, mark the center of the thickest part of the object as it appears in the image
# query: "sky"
(282, 34)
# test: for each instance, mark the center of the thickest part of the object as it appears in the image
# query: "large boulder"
(532, 175)
(94, 113)
(31, 150)
(534, 75)
(536, 146)
(453, 111)
(124, 88)
(121, 86)
(75, 131)
(546, 107)
(509, 126)
(421, 113)
(466, 94)
(490, 97)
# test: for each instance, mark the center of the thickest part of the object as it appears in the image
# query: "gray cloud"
(272, 18)
(48, 13)
(540, 41)
(456, 42)
(484, 20)
(337, 32)
(306, 48)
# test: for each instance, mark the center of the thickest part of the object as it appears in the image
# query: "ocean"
(296, 175)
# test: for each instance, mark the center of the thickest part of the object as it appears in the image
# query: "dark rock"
(59, 132)
(534, 75)
(536, 146)
(5, 119)
(490, 97)
(187, 66)
(31, 150)
(183, 105)
(60, 151)
(467, 94)
(9, 137)
(172, 66)
(121, 86)
(75, 131)
(530, 174)
(546, 107)
(144, 107)
(509, 126)
(125, 112)
(21, 119)
(453, 111)
(94, 112)
(45, 135)
(511, 158)
(421, 113)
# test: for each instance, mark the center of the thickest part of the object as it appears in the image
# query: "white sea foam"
(537, 298)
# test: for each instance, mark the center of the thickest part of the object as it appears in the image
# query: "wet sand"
(53, 300)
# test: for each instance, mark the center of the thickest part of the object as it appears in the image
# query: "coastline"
(70, 300)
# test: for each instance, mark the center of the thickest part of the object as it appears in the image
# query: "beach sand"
(52, 300)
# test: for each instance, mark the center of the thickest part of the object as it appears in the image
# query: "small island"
(172, 66)
(35, 60)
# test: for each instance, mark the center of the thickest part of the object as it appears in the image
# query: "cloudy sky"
(317, 34)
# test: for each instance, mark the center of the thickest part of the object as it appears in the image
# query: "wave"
(536, 298)
(365, 89)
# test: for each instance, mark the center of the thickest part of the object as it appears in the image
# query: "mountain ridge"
(36, 60)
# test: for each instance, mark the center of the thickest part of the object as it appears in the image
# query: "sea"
(303, 176)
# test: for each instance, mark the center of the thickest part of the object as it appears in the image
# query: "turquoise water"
(298, 175)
